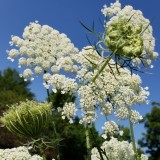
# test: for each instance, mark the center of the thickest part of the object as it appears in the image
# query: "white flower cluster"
(136, 20)
(144, 157)
(43, 48)
(114, 150)
(89, 55)
(112, 10)
(69, 111)
(112, 91)
(135, 116)
(19, 153)
(110, 129)
(27, 74)
(88, 101)
(61, 82)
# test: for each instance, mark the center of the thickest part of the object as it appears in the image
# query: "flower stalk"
(88, 145)
(103, 66)
(132, 133)
(54, 127)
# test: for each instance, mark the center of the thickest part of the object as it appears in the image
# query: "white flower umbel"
(144, 157)
(114, 150)
(129, 34)
(43, 48)
(69, 111)
(18, 153)
(110, 129)
(88, 101)
(112, 10)
(135, 116)
(111, 91)
(27, 74)
(61, 82)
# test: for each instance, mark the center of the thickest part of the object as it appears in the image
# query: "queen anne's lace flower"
(112, 10)
(135, 116)
(18, 153)
(129, 34)
(112, 91)
(103, 82)
(27, 74)
(144, 157)
(43, 48)
(13, 53)
(121, 113)
(27, 118)
(60, 82)
(46, 76)
(110, 129)
(69, 111)
(114, 150)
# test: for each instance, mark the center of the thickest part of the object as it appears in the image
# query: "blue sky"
(64, 15)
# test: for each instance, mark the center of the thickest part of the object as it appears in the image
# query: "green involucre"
(27, 118)
(124, 39)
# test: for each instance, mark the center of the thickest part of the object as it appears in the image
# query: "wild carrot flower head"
(129, 35)
(27, 118)
(43, 48)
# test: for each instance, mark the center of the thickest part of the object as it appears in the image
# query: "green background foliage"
(12, 90)
(151, 139)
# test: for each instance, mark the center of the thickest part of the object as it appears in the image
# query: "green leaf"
(86, 27)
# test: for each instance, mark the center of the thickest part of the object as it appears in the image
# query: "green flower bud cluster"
(124, 39)
(27, 118)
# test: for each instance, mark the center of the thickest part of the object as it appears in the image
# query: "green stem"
(48, 94)
(88, 143)
(47, 89)
(103, 66)
(57, 147)
(42, 152)
(132, 133)
(97, 145)
(54, 127)
(93, 80)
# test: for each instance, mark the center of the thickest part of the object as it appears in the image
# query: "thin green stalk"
(58, 153)
(54, 127)
(88, 143)
(42, 152)
(97, 145)
(48, 94)
(55, 132)
(47, 89)
(103, 66)
(93, 80)
(132, 133)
